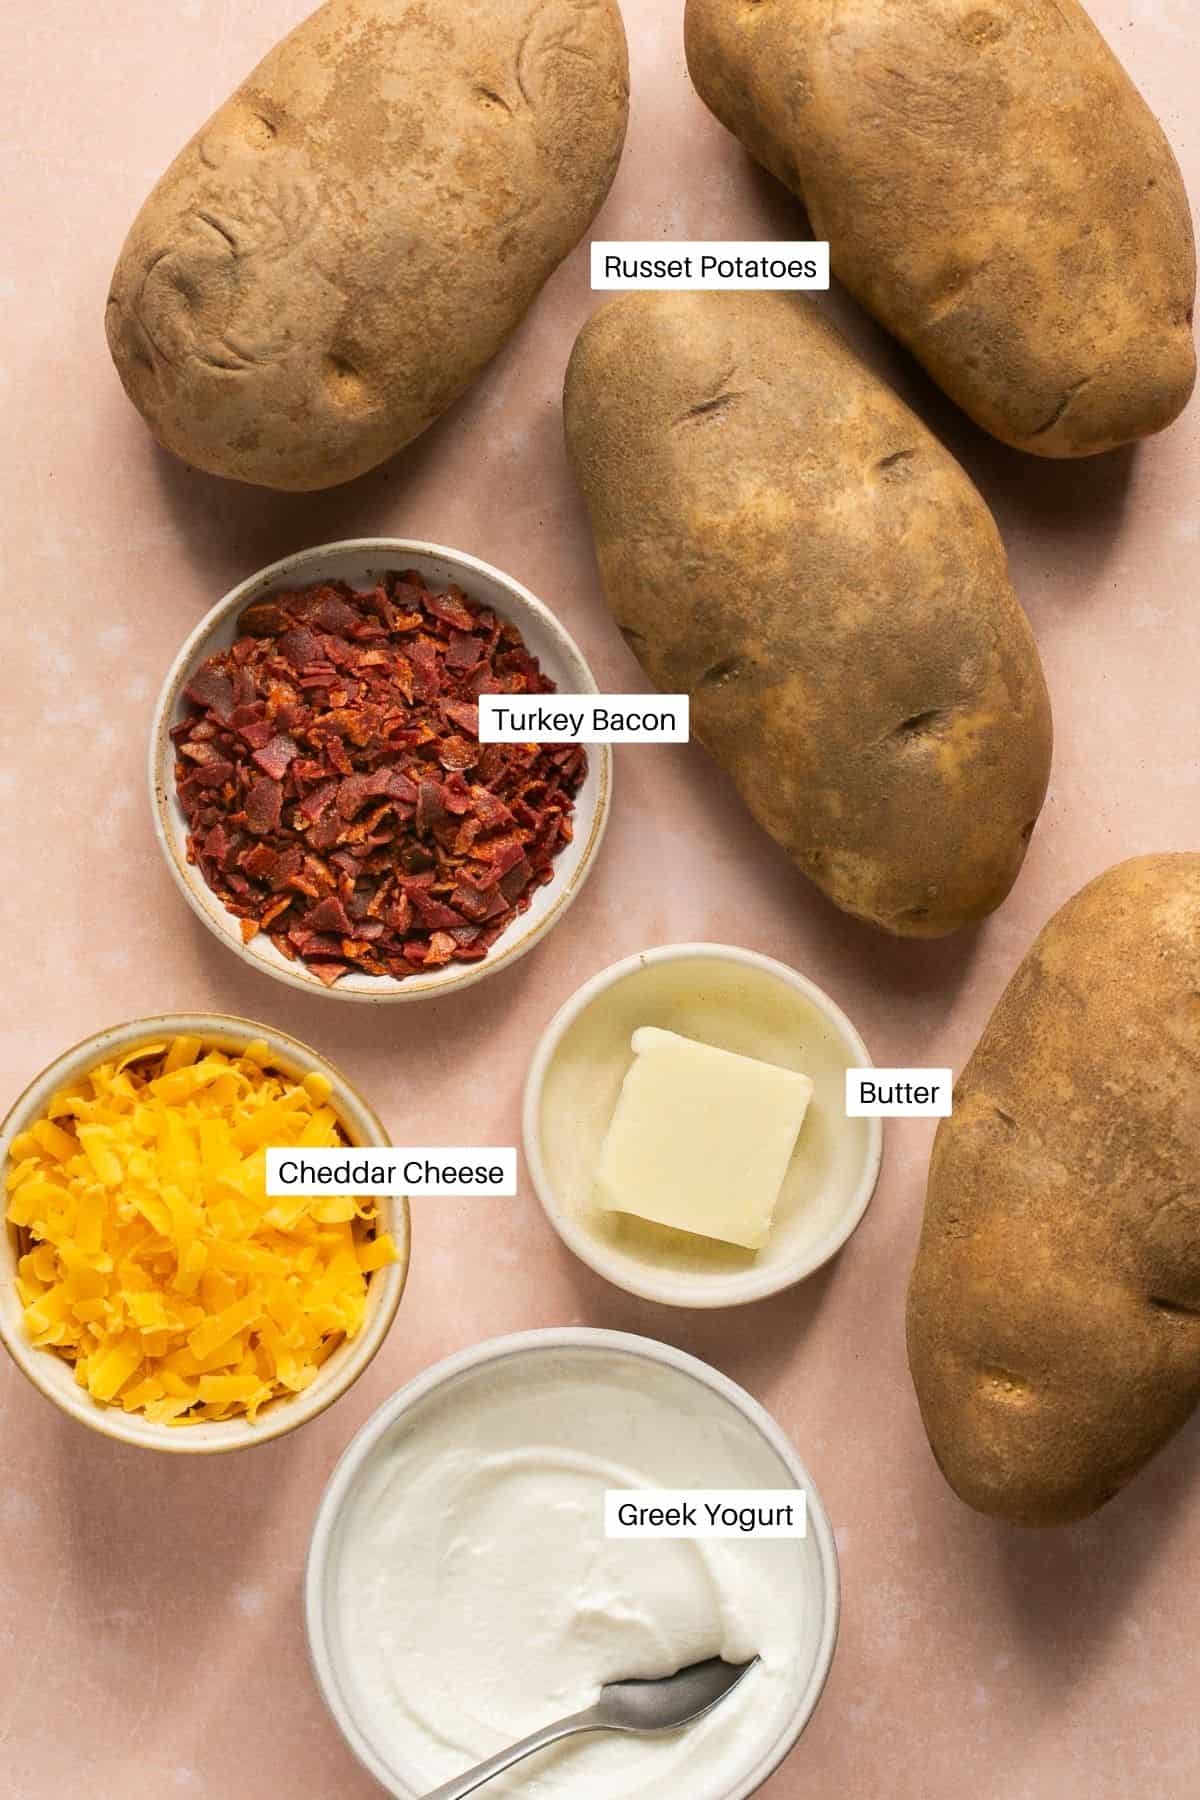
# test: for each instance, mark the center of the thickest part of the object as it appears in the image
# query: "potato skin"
(337, 254)
(1054, 1311)
(995, 191)
(781, 538)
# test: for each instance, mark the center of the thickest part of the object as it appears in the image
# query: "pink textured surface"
(151, 1640)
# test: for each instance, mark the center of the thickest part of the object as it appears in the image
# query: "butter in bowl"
(686, 1131)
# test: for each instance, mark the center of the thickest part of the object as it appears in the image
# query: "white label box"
(731, 266)
(372, 1169)
(584, 719)
(899, 1093)
(706, 1513)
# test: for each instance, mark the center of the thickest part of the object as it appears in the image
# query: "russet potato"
(337, 254)
(994, 189)
(782, 539)
(1054, 1310)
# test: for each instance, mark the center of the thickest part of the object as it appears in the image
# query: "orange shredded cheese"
(154, 1260)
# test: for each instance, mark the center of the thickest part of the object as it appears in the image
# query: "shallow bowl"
(362, 562)
(736, 1000)
(747, 1432)
(53, 1375)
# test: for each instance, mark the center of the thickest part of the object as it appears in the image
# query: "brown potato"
(1054, 1312)
(995, 191)
(782, 539)
(336, 255)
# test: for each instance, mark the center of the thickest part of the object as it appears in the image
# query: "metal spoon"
(642, 1706)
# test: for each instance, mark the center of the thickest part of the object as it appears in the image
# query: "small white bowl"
(772, 1461)
(737, 1000)
(362, 562)
(53, 1375)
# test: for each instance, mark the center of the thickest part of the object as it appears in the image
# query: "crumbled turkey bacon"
(337, 796)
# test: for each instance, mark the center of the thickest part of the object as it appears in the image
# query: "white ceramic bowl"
(739, 1001)
(362, 562)
(53, 1376)
(818, 1605)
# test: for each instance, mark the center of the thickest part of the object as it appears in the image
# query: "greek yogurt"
(470, 1595)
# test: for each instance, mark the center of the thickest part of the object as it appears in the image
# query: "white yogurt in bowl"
(461, 1591)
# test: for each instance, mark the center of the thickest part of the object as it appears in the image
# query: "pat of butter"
(701, 1138)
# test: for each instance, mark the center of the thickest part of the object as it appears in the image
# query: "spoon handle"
(496, 1765)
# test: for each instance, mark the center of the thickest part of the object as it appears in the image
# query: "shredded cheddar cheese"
(156, 1263)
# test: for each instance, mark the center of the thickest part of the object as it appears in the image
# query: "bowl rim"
(306, 563)
(286, 1415)
(558, 1338)
(664, 1286)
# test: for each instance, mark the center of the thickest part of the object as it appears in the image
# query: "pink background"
(151, 1640)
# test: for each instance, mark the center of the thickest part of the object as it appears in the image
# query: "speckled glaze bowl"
(53, 1375)
(362, 562)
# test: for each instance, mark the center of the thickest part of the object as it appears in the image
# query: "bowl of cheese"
(685, 1126)
(149, 1284)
